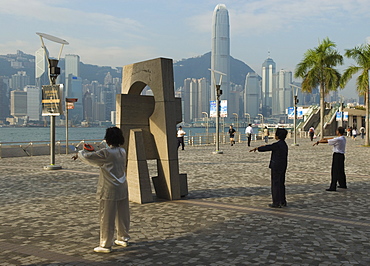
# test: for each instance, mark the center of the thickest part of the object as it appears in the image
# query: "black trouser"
(337, 171)
(180, 140)
(278, 187)
(249, 139)
(311, 136)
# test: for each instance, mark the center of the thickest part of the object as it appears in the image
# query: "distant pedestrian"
(266, 134)
(249, 133)
(311, 132)
(278, 165)
(349, 132)
(112, 189)
(338, 174)
(362, 132)
(180, 138)
(232, 135)
(354, 133)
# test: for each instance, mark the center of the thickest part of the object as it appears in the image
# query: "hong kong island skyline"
(266, 55)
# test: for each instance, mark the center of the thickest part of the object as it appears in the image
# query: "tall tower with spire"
(268, 70)
(220, 56)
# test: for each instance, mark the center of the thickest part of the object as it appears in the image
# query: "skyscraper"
(268, 69)
(4, 101)
(220, 58)
(282, 96)
(73, 84)
(41, 69)
(72, 69)
(18, 103)
(33, 102)
(251, 95)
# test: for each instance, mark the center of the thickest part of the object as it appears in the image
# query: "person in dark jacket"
(278, 166)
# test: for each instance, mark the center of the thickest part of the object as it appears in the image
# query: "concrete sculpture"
(149, 126)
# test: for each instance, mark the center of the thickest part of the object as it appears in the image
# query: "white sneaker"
(121, 243)
(103, 250)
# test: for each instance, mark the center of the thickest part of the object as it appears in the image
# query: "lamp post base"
(295, 144)
(52, 167)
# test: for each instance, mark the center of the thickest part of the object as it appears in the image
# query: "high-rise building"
(72, 68)
(220, 57)
(33, 102)
(4, 101)
(18, 103)
(282, 96)
(251, 95)
(204, 96)
(185, 98)
(268, 69)
(41, 69)
(19, 80)
(88, 107)
(108, 98)
(75, 91)
(108, 79)
(195, 98)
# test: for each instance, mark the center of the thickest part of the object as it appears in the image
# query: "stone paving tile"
(50, 217)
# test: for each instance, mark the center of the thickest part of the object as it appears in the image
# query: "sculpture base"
(218, 152)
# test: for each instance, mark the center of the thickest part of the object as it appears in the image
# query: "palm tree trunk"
(322, 110)
(367, 130)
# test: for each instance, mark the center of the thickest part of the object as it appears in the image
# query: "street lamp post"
(261, 122)
(261, 118)
(218, 95)
(53, 100)
(295, 101)
(207, 126)
(249, 117)
(69, 105)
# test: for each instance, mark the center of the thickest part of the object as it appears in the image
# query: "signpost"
(69, 105)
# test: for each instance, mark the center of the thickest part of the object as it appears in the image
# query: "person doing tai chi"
(112, 191)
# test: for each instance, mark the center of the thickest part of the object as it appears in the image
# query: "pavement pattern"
(51, 218)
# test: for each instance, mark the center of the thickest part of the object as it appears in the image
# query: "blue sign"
(290, 112)
(339, 116)
(222, 108)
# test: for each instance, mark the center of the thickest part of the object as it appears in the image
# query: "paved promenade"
(50, 217)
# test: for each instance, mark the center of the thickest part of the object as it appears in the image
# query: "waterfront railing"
(35, 148)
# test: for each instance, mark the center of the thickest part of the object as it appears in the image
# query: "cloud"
(58, 17)
(265, 16)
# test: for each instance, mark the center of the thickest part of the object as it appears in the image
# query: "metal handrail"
(28, 147)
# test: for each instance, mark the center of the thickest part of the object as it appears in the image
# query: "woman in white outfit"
(112, 190)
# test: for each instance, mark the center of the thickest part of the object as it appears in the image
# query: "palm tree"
(361, 55)
(317, 70)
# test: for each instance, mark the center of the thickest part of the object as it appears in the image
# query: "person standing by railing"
(266, 134)
(249, 133)
(180, 138)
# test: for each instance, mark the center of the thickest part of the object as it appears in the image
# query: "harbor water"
(28, 134)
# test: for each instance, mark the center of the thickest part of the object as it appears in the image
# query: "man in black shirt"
(278, 165)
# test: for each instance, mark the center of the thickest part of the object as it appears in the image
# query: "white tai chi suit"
(112, 192)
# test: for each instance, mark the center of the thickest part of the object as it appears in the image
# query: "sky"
(120, 32)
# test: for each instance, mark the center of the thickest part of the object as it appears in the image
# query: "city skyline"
(117, 33)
